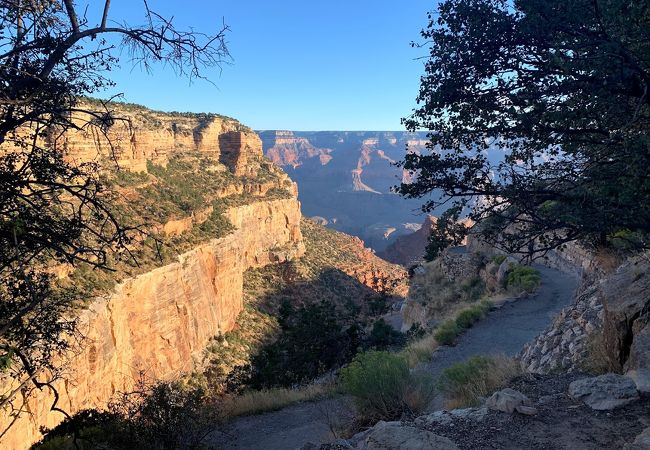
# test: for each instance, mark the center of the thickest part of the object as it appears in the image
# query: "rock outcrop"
(409, 249)
(396, 436)
(286, 149)
(604, 392)
(607, 324)
(138, 135)
(157, 324)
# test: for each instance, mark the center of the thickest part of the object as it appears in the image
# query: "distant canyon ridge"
(345, 179)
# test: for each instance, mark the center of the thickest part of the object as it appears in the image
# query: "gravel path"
(505, 330)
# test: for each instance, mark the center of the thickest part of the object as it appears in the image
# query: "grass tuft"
(465, 383)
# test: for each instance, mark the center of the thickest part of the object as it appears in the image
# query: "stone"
(641, 442)
(604, 392)
(526, 410)
(447, 417)
(638, 364)
(508, 400)
(395, 436)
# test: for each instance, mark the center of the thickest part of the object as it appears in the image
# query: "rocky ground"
(560, 423)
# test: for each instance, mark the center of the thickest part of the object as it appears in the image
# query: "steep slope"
(409, 249)
(335, 268)
(212, 207)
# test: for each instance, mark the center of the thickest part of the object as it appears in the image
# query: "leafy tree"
(538, 112)
(314, 339)
(447, 231)
(52, 212)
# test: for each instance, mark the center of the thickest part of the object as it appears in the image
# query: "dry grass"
(419, 350)
(256, 402)
(607, 260)
(465, 383)
(602, 353)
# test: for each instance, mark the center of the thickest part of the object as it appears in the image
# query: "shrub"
(383, 336)
(314, 339)
(523, 278)
(162, 416)
(419, 349)
(498, 259)
(383, 386)
(466, 382)
(469, 316)
(473, 289)
(447, 333)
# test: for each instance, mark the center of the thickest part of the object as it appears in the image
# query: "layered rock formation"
(345, 177)
(157, 323)
(138, 135)
(286, 149)
(409, 249)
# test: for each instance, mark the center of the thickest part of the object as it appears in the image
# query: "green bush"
(383, 386)
(498, 259)
(163, 416)
(523, 278)
(383, 336)
(468, 317)
(447, 333)
(466, 382)
(314, 339)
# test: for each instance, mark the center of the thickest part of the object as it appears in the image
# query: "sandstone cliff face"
(159, 322)
(139, 134)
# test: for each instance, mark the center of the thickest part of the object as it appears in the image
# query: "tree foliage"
(53, 213)
(538, 112)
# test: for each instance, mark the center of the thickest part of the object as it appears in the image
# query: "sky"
(297, 65)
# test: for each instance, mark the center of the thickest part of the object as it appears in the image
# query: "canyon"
(345, 179)
(155, 324)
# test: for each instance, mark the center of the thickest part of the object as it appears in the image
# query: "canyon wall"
(137, 134)
(158, 323)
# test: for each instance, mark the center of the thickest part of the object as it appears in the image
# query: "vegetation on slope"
(306, 316)
(190, 185)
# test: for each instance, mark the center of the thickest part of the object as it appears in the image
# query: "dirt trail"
(505, 330)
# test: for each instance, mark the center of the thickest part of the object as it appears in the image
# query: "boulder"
(508, 401)
(642, 441)
(604, 392)
(638, 364)
(395, 436)
(643, 438)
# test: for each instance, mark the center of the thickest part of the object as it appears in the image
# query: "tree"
(52, 212)
(538, 112)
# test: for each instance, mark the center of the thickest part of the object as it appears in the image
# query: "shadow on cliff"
(322, 326)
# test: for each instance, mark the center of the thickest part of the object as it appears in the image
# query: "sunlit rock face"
(157, 323)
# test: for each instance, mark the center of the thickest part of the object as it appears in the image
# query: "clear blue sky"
(299, 65)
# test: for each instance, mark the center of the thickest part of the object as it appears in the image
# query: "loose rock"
(604, 392)
(508, 401)
(395, 436)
